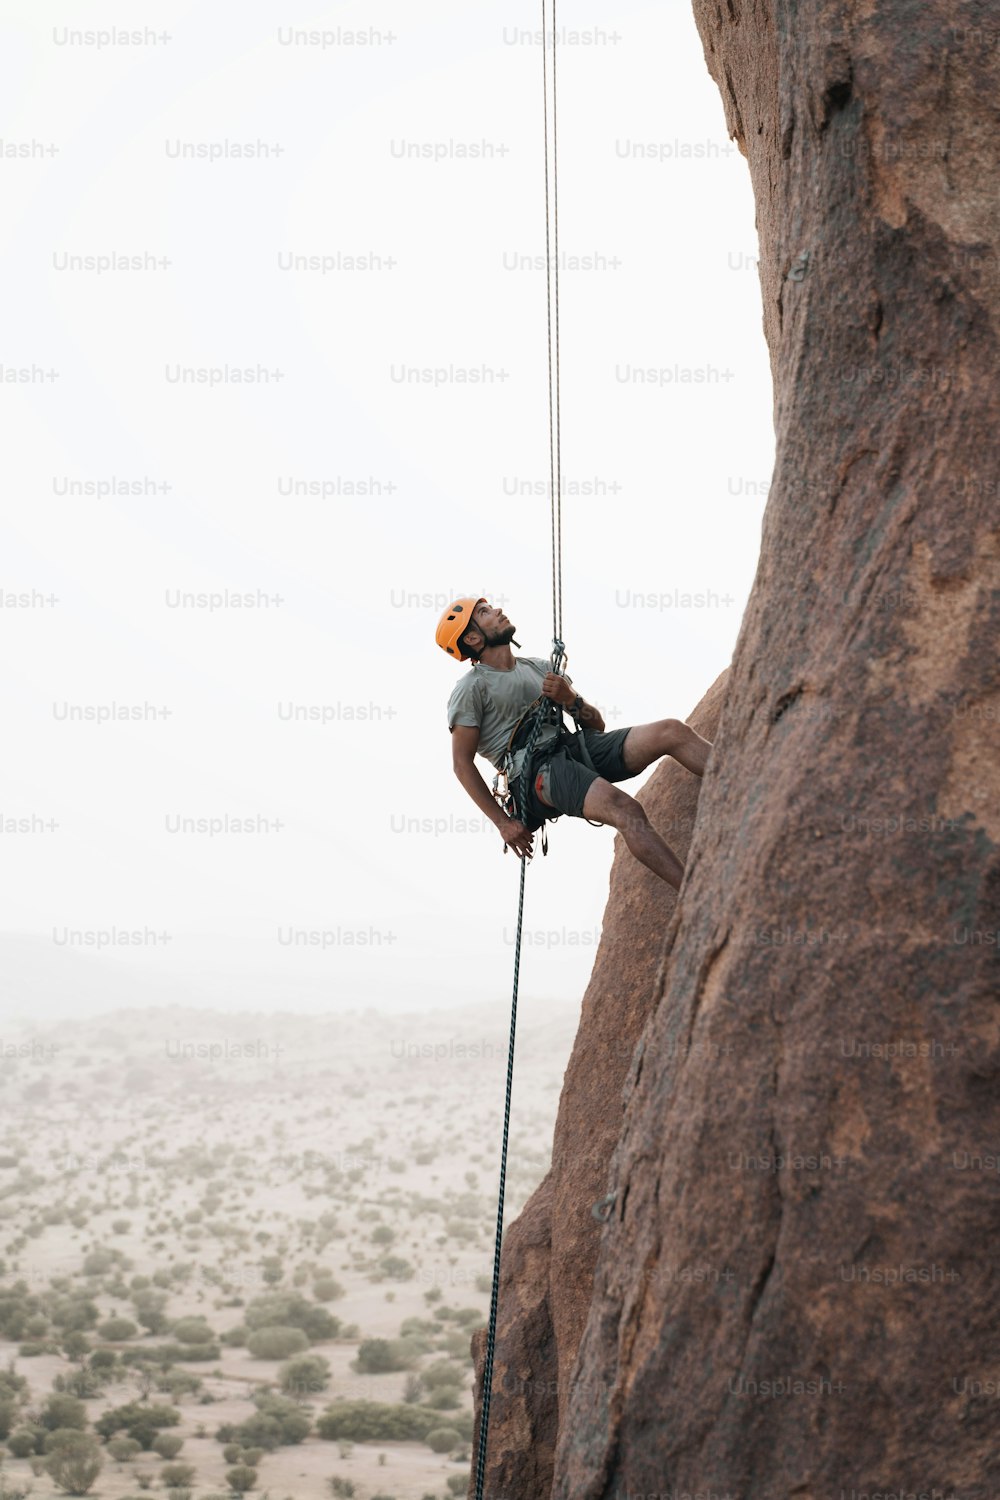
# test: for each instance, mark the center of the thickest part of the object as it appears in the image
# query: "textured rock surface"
(795, 1294)
(545, 1296)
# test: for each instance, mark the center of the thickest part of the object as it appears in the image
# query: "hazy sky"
(374, 261)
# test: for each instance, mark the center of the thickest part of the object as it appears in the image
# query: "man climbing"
(491, 698)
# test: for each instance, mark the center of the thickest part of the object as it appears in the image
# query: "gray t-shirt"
(492, 701)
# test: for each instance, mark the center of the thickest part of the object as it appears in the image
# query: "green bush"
(168, 1444)
(117, 1330)
(458, 1484)
(442, 1439)
(277, 1422)
(61, 1410)
(441, 1372)
(327, 1289)
(375, 1421)
(291, 1310)
(24, 1441)
(241, 1479)
(380, 1356)
(123, 1449)
(75, 1462)
(277, 1342)
(168, 1354)
(98, 1262)
(396, 1268)
(8, 1417)
(140, 1420)
(177, 1476)
(304, 1375)
(192, 1331)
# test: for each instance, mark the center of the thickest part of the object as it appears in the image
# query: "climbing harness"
(517, 765)
(544, 710)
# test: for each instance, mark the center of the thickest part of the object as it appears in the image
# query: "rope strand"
(546, 710)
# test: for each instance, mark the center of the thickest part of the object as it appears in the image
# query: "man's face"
(493, 625)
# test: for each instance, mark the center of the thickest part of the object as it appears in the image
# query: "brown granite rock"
(544, 1295)
(797, 1293)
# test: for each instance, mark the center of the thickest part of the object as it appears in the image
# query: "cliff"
(793, 1292)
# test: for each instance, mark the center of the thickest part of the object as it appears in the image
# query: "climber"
(491, 698)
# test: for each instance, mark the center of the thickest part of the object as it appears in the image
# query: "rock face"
(550, 1251)
(794, 1293)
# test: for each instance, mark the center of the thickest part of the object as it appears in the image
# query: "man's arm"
(591, 716)
(465, 742)
(562, 690)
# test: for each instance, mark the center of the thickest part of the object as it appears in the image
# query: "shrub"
(327, 1289)
(140, 1420)
(374, 1421)
(8, 1417)
(192, 1331)
(380, 1356)
(396, 1268)
(63, 1411)
(149, 1305)
(277, 1342)
(168, 1354)
(291, 1310)
(176, 1476)
(241, 1479)
(116, 1330)
(24, 1441)
(123, 1449)
(308, 1373)
(98, 1262)
(75, 1463)
(442, 1439)
(278, 1418)
(458, 1484)
(167, 1445)
(83, 1382)
(343, 1488)
(441, 1372)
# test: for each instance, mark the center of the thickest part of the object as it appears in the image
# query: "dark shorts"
(565, 778)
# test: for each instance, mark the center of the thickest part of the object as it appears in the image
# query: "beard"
(502, 638)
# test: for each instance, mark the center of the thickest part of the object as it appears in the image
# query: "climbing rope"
(546, 709)
(555, 446)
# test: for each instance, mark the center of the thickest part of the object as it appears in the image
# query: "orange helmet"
(456, 619)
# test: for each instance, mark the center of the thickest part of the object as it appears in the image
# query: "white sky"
(362, 579)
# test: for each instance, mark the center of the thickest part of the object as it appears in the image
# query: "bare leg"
(645, 743)
(606, 803)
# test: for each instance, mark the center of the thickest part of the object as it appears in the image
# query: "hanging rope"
(546, 709)
(555, 445)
